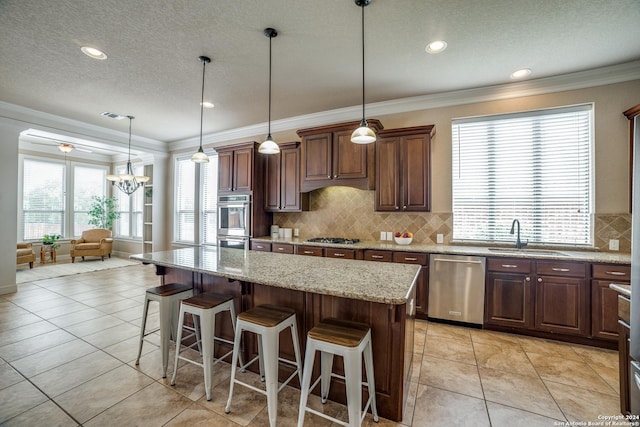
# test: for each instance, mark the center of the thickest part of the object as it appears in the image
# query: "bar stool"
(205, 306)
(267, 321)
(167, 297)
(352, 341)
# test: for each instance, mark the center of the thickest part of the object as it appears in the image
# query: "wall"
(339, 211)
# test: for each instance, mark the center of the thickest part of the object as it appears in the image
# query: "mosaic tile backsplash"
(348, 212)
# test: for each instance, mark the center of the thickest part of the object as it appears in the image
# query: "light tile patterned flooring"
(68, 346)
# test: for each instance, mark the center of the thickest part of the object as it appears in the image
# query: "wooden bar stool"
(168, 296)
(205, 306)
(267, 321)
(352, 341)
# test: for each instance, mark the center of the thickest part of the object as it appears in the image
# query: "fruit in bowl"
(404, 238)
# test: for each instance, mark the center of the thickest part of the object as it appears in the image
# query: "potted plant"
(103, 212)
(51, 239)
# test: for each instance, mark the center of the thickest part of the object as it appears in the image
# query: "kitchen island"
(381, 295)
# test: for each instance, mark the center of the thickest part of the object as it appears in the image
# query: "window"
(533, 166)
(129, 224)
(196, 188)
(56, 196)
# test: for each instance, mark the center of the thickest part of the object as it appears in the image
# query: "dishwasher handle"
(457, 261)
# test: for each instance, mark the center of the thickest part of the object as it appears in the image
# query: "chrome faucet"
(519, 244)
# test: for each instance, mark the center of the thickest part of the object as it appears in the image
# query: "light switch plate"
(439, 238)
(389, 235)
(383, 235)
(614, 245)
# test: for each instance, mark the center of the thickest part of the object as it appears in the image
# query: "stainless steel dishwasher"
(456, 288)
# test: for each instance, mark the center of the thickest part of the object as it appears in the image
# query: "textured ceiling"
(153, 73)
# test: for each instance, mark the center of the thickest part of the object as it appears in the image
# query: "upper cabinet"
(282, 180)
(328, 157)
(403, 169)
(236, 167)
(632, 114)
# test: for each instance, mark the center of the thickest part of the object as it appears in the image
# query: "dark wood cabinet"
(236, 167)
(260, 246)
(282, 181)
(340, 253)
(403, 169)
(283, 248)
(328, 157)
(509, 299)
(422, 285)
(632, 115)
(309, 250)
(604, 300)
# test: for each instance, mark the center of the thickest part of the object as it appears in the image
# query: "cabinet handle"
(259, 246)
(338, 255)
(616, 273)
(329, 176)
(509, 266)
(307, 252)
(527, 279)
(404, 207)
(397, 208)
(377, 256)
(410, 258)
(539, 279)
(281, 249)
(563, 270)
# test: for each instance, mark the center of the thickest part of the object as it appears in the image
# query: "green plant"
(51, 239)
(103, 211)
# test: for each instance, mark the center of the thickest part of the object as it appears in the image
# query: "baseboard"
(8, 289)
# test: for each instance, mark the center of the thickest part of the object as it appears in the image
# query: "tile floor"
(68, 346)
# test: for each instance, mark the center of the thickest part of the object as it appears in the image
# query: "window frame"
(136, 199)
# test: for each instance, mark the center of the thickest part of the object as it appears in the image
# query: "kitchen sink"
(529, 251)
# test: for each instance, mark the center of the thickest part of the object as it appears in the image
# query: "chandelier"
(127, 182)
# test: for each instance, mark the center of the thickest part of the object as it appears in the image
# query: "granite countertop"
(560, 254)
(387, 283)
(622, 289)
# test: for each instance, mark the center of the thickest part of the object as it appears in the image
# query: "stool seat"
(207, 300)
(266, 315)
(169, 289)
(340, 332)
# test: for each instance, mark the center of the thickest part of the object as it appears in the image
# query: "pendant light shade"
(269, 146)
(364, 134)
(127, 182)
(200, 156)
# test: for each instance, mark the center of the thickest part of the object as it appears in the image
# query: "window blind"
(129, 224)
(87, 183)
(209, 185)
(43, 198)
(185, 181)
(532, 166)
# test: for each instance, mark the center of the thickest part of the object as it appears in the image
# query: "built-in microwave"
(234, 215)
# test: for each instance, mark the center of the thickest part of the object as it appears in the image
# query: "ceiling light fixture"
(66, 148)
(200, 156)
(436, 46)
(521, 74)
(364, 134)
(94, 53)
(269, 146)
(127, 182)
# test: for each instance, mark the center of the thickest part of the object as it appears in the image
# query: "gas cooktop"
(338, 240)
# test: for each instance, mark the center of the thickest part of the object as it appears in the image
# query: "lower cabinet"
(604, 300)
(561, 305)
(422, 286)
(509, 293)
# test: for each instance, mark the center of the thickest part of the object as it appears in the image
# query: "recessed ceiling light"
(521, 74)
(93, 52)
(207, 104)
(436, 46)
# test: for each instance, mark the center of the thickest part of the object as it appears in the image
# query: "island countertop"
(387, 283)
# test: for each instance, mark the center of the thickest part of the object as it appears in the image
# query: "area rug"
(67, 269)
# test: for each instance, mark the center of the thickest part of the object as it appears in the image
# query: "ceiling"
(153, 73)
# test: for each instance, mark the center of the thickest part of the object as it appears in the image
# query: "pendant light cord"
(129, 167)
(269, 130)
(363, 114)
(204, 66)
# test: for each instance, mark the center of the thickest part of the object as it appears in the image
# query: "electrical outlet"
(439, 238)
(389, 235)
(614, 245)
(383, 235)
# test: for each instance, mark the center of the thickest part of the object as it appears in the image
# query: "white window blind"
(535, 166)
(87, 183)
(43, 198)
(185, 182)
(209, 185)
(129, 224)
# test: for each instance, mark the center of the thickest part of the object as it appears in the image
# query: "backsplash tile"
(348, 212)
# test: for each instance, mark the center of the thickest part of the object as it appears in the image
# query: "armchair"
(25, 253)
(96, 242)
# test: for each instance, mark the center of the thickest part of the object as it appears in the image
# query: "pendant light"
(200, 156)
(127, 182)
(364, 134)
(269, 146)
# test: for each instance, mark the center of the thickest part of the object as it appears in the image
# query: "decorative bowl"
(403, 240)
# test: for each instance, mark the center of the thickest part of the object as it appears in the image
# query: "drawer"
(624, 309)
(380, 256)
(411, 258)
(283, 248)
(261, 246)
(310, 250)
(562, 268)
(613, 272)
(340, 253)
(509, 265)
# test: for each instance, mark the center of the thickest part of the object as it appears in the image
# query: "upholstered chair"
(95, 242)
(25, 254)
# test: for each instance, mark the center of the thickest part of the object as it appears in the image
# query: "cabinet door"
(225, 171)
(283, 248)
(290, 180)
(561, 305)
(272, 183)
(509, 300)
(260, 246)
(349, 159)
(387, 174)
(604, 310)
(415, 173)
(243, 169)
(309, 250)
(316, 161)
(340, 253)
